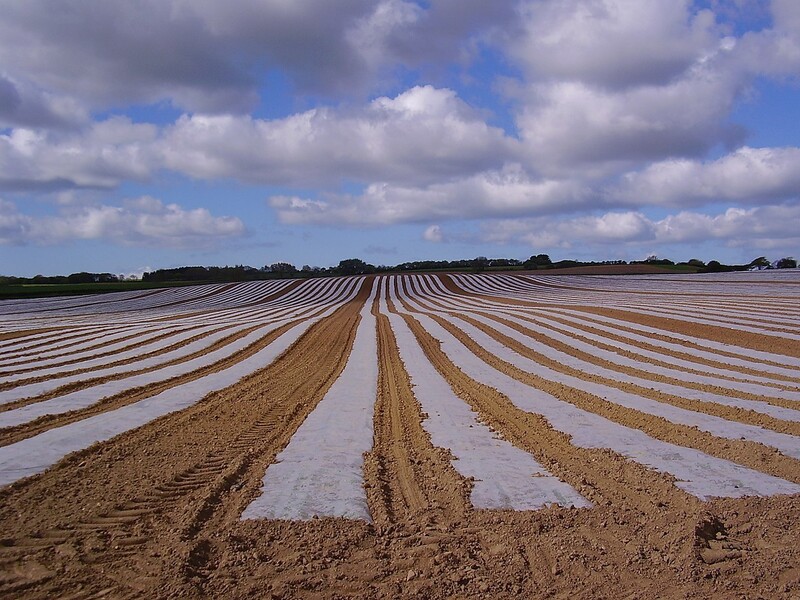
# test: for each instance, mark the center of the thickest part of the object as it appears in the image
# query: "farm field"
(437, 436)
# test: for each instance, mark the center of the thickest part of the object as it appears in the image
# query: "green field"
(39, 290)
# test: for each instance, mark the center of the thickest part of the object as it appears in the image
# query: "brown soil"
(13, 335)
(154, 513)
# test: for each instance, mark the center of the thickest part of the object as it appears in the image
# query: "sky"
(146, 134)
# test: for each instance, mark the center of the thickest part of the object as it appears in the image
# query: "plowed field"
(437, 436)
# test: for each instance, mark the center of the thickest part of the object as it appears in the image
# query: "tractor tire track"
(406, 474)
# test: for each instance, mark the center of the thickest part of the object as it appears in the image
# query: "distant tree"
(283, 269)
(713, 266)
(566, 264)
(309, 271)
(479, 264)
(654, 260)
(504, 262)
(178, 274)
(354, 266)
(538, 261)
(82, 277)
(696, 262)
(761, 262)
(787, 263)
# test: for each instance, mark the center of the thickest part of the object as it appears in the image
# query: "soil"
(155, 512)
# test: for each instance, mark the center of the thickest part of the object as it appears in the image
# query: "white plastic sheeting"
(320, 472)
(697, 473)
(34, 455)
(505, 477)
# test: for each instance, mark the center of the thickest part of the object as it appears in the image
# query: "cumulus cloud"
(371, 34)
(141, 221)
(433, 234)
(106, 53)
(23, 106)
(766, 227)
(612, 43)
(774, 51)
(14, 227)
(617, 106)
(509, 191)
(591, 102)
(101, 156)
(569, 125)
(747, 175)
(421, 135)
(610, 85)
(206, 57)
(408, 33)
(786, 15)
(197, 54)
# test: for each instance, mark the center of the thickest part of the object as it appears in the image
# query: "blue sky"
(160, 133)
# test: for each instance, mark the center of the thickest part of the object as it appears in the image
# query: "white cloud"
(103, 155)
(422, 135)
(14, 227)
(197, 54)
(21, 105)
(426, 35)
(766, 227)
(748, 175)
(137, 273)
(609, 228)
(610, 85)
(142, 221)
(371, 34)
(618, 104)
(763, 227)
(775, 51)
(745, 177)
(570, 125)
(612, 43)
(203, 56)
(786, 15)
(433, 234)
(508, 191)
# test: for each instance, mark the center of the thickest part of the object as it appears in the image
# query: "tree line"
(356, 266)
